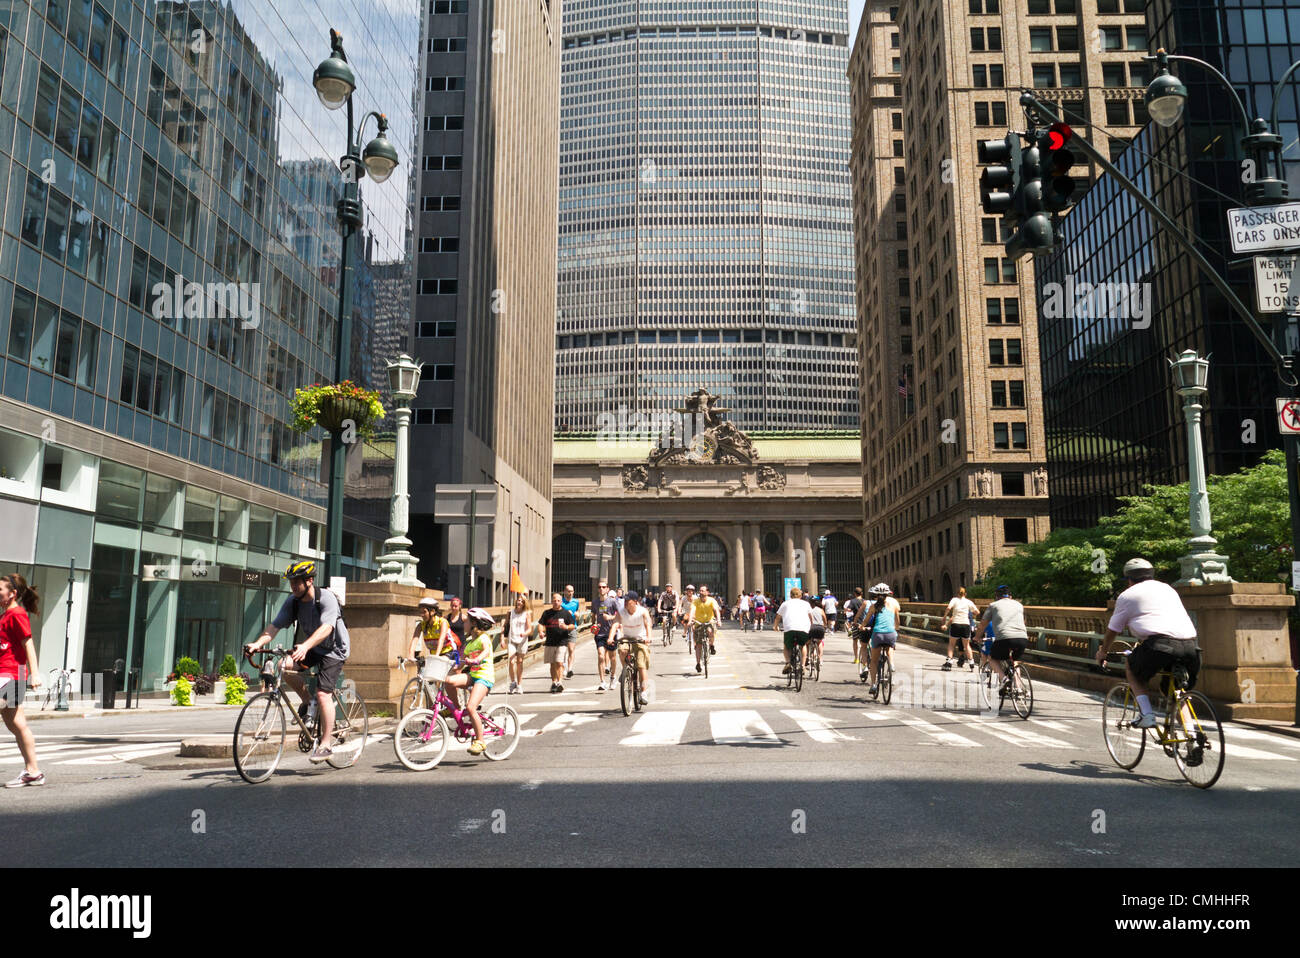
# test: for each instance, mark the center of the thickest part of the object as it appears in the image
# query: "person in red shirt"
(18, 669)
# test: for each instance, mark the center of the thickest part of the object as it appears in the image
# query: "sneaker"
(319, 754)
(863, 675)
(875, 689)
(697, 667)
(570, 675)
(947, 665)
(786, 670)
(477, 747)
(600, 687)
(644, 700)
(559, 688)
(1146, 721)
(971, 665)
(27, 778)
(712, 650)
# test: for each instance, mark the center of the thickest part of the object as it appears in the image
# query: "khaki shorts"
(642, 653)
(555, 653)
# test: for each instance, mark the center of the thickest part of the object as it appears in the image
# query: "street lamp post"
(618, 552)
(1202, 565)
(821, 560)
(397, 564)
(335, 83)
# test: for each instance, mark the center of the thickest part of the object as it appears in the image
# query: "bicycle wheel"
(797, 671)
(1023, 696)
(636, 686)
(704, 654)
(625, 690)
(987, 682)
(815, 666)
(504, 719)
(1118, 713)
(259, 738)
(1199, 752)
(886, 678)
(414, 696)
(421, 739)
(351, 726)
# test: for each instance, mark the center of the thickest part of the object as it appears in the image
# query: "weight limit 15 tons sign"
(1277, 288)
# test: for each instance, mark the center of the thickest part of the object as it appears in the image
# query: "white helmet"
(1137, 564)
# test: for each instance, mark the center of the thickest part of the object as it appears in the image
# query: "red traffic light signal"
(1058, 134)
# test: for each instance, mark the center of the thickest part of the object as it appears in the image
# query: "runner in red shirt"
(18, 669)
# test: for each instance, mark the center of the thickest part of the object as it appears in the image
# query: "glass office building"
(705, 225)
(1113, 421)
(169, 266)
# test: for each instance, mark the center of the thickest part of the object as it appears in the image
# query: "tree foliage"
(1251, 518)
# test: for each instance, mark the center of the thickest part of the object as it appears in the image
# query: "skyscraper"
(953, 442)
(147, 147)
(485, 281)
(705, 235)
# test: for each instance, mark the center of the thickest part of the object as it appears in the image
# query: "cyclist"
(705, 611)
(853, 609)
(324, 645)
(481, 675)
(821, 621)
(684, 612)
(1153, 612)
(882, 623)
(795, 618)
(633, 627)
(667, 605)
(831, 606)
(1007, 618)
(959, 615)
(760, 610)
(431, 631)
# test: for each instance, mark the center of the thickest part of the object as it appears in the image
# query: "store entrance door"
(202, 639)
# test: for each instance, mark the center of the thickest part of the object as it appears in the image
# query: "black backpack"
(332, 642)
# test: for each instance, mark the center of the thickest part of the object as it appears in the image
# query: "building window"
(999, 393)
(1013, 352)
(1013, 483)
(1016, 394)
(993, 310)
(1044, 75)
(1015, 531)
(996, 357)
(1019, 436)
(981, 114)
(1001, 435)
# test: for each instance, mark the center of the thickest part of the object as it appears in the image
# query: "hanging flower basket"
(331, 406)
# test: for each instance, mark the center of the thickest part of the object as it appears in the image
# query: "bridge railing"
(1056, 646)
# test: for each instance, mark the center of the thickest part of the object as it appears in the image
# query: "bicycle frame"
(277, 686)
(464, 725)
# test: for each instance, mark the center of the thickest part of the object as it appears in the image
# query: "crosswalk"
(744, 724)
(89, 753)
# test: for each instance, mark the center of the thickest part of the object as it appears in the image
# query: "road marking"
(879, 716)
(934, 731)
(568, 722)
(1055, 726)
(657, 728)
(734, 702)
(526, 717)
(124, 755)
(741, 727)
(1242, 751)
(687, 689)
(1252, 734)
(1008, 733)
(562, 703)
(818, 728)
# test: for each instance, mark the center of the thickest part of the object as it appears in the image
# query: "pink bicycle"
(422, 735)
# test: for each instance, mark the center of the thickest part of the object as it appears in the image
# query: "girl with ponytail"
(18, 669)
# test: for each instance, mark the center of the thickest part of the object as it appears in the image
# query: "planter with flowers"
(331, 406)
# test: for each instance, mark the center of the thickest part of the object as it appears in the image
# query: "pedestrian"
(960, 615)
(604, 613)
(521, 628)
(18, 669)
(571, 604)
(559, 625)
(458, 622)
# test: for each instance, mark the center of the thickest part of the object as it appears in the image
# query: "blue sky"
(855, 13)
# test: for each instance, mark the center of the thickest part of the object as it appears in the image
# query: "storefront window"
(162, 505)
(119, 492)
(108, 617)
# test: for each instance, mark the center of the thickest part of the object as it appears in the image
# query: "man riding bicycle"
(1153, 612)
(324, 645)
(633, 627)
(704, 611)
(667, 605)
(1007, 616)
(684, 607)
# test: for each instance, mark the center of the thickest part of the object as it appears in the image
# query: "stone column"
(787, 566)
(737, 575)
(670, 557)
(810, 558)
(654, 572)
(754, 536)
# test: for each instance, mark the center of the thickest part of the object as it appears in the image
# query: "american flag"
(902, 385)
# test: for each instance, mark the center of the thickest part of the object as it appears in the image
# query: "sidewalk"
(82, 712)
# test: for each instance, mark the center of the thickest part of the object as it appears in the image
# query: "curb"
(103, 713)
(223, 746)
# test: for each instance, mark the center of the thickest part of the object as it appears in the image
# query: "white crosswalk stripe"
(657, 728)
(943, 736)
(741, 727)
(1006, 731)
(1234, 750)
(818, 728)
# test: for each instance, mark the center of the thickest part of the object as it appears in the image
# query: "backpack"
(332, 643)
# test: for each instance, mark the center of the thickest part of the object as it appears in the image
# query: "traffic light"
(1000, 180)
(1058, 192)
(1034, 226)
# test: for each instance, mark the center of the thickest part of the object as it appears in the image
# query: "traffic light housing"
(1000, 181)
(1059, 186)
(1034, 232)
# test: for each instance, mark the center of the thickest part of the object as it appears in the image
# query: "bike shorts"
(1002, 649)
(328, 669)
(485, 682)
(642, 653)
(817, 633)
(1157, 653)
(959, 631)
(795, 639)
(884, 640)
(12, 692)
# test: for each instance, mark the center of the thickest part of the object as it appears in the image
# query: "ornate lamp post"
(397, 564)
(1202, 565)
(335, 82)
(618, 552)
(821, 564)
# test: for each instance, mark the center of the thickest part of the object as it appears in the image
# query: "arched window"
(843, 565)
(704, 562)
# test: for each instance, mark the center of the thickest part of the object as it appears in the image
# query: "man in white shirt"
(795, 615)
(1153, 612)
(831, 606)
(960, 615)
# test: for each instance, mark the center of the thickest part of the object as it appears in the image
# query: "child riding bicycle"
(480, 675)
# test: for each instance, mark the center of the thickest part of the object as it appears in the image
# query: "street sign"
(1258, 228)
(1276, 288)
(1295, 575)
(796, 583)
(1288, 417)
(455, 503)
(458, 544)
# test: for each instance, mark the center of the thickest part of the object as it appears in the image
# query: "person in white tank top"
(521, 627)
(633, 626)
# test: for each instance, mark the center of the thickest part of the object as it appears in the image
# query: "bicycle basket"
(435, 669)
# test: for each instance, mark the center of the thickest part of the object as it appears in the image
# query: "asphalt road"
(733, 770)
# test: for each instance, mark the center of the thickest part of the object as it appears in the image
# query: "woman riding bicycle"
(481, 676)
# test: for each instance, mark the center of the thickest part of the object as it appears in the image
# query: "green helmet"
(306, 569)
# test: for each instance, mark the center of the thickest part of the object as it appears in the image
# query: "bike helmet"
(305, 569)
(481, 618)
(1003, 591)
(429, 602)
(690, 588)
